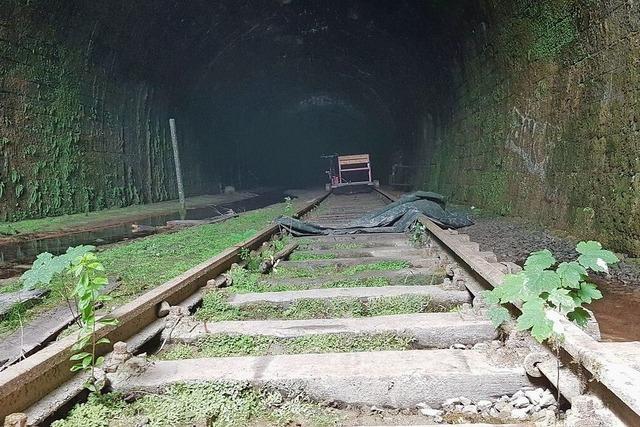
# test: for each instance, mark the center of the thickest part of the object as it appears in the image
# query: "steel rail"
(621, 379)
(30, 380)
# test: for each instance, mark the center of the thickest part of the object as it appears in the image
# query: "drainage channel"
(339, 330)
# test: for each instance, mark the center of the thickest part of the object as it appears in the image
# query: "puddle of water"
(617, 312)
(25, 251)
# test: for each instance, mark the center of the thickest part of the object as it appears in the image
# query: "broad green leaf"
(86, 362)
(100, 361)
(511, 289)
(75, 368)
(109, 321)
(498, 315)
(539, 260)
(588, 292)
(491, 297)
(103, 341)
(533, 317)
(562, 300)
(579, 316)
(80, 356)
(571, 273)
(594, 257)
(538, 281)
(41, 272)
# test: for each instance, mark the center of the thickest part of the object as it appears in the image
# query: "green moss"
(305, 255)
(214, 404)
(246, 282)
(348, 245)
(244, 345)
(146, 263)
(216, 308)
(320, 271)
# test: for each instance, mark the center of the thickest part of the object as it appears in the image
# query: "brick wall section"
(543, 117)
(74, 135)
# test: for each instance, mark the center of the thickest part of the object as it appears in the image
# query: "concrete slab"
(386, 378)
(438, 295)
(430, 330)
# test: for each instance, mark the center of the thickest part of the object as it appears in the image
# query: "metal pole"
(176, 158)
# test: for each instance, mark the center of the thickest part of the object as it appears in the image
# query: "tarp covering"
(396, 217)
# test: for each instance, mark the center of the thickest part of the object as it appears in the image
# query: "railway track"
(356, 330)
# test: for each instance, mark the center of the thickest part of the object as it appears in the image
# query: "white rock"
(450, 404)
(504, 398)
(464, 401)
(429, 412)
(484, 405)
(503, 406)
(519, 414)
(521, 402)
(459, 346)
(547, 400)
(438, 419)
(375, 409)
(517, 395)
(470, 410)
(533, 396)
(481, 346)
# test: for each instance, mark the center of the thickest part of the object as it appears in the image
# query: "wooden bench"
(353, 163)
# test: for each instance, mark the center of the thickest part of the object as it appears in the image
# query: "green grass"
(90, 219)
(215, 308)
(307, 255)
(244, 345)
(348, 246)
(245, 281)
(146, 263)
(319, 271)
(211, 404)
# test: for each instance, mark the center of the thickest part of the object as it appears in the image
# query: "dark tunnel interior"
(502, 105)
(263, 89)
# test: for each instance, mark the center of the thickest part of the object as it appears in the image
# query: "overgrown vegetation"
(244, 345)
(245, 281)
(86, 294)
(216, 308)
(539, 287)
(145, 263)
(211, 404)
(307, 255)
(319, 271)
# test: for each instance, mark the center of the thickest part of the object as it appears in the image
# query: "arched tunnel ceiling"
(300, 77)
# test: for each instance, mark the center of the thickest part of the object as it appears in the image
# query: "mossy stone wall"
(76, 133)
(542, 120)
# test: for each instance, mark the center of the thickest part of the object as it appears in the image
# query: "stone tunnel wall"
(75, 136)
(543, 118)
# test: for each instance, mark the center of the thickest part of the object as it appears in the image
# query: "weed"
(213, 404)
(304, 255)
(243, 345)
(539, 288)
(216, 308)
(348, 246)
(145, 263)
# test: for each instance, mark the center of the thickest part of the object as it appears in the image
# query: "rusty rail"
(30, 380)
(620, 379)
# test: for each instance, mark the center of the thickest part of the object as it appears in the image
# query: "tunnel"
(521, 108)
